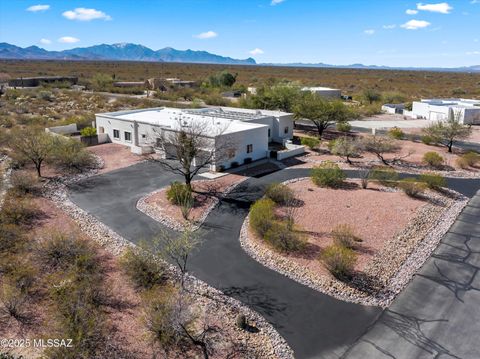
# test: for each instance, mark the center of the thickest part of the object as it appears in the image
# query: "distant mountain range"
(134, 52)
(118, 52)
(475, 68)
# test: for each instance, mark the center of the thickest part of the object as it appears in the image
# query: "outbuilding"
(326, 92)
(466, 110)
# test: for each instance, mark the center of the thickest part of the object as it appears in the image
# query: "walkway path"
(315, 325)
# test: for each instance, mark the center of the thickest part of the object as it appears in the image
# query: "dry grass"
(413, 84)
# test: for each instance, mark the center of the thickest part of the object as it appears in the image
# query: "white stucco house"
(468, 110)
(393, 108)
(326, 92)
(248, 131)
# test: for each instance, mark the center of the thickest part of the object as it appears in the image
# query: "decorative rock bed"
(392, 267)
(158, 215)
(56, 191)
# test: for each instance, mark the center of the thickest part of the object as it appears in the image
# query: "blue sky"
(381, 32)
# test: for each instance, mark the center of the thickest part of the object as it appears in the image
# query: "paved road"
(438, 314)
(315, 325)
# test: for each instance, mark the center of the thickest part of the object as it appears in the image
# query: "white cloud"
(475, 40)
(68, 40)
(442, 8)
(35, 8)
(473, 53)
(411, 12)
(206, 35)
(389, 27)
(369, 32)
(415, 24)
(256, 51)
(276, 2)
(45, 41)
(83, 14)
(475, 2)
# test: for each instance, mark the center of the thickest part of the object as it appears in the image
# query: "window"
(286, 130)
(128, 136)
(144, 135)
(269, 132)
(249, 148)
(116, 134)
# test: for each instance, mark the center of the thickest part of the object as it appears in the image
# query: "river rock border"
(403, 265)
(158, 215)
(115, 244)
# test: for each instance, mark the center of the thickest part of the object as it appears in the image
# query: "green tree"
(371, 96)
(101, 82)
(346, 147)
(320, 112)
(447, 132)
(31, 144)
(279, 97)
(222, 79)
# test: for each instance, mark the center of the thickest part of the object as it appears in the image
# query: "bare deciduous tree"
(194, 145)
(346, 147)
(449, 131)
(380, 146)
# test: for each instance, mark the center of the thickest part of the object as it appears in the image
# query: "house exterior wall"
(471, 116)
(277, 127)
(111, 124)
(256, 137)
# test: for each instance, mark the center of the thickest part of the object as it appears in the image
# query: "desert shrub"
(471, 158)
(62, 250)
(310, 142)
(11, 238)
(167, 318)
(45, 95)
(282, 238)
(179, 193)
(343, 126)
(412, 187)
(433, 159)
(78, 317)
(343, 235)
(462, 163)
(339, 260)
(428, 140)
(24, 182)
(142, 269)
(262, 216)
(22, 276)
(327, 174)
(18, 211)
(396, 133)
(279, 193)
(241, 321)
(72, 156)
(216, 100)
(13, 303)
(88, 131)
(386, 176)
(433, 180)
(393, 97)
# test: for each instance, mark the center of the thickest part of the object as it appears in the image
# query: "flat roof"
(457, 102)
(217, 120)
(318, 88)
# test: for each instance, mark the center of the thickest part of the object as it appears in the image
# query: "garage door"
(437, 116)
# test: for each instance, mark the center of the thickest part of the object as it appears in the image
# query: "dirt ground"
(115, 156)
(374, 214)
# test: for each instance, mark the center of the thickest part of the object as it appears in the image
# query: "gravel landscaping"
(389, 269)
(267, 342)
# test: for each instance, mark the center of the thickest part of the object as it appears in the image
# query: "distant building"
(37, 81)
(468, 110)
(172, 83)
(326, 92)
(393, 108)
(129, 84)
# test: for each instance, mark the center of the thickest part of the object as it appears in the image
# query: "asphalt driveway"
(315, 325)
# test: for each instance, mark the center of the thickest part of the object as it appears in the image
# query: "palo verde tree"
(346, 148)
(320, 112)
(278, 97)
(193, 145)
(380, 146)
(449, 131)
(31, 144)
